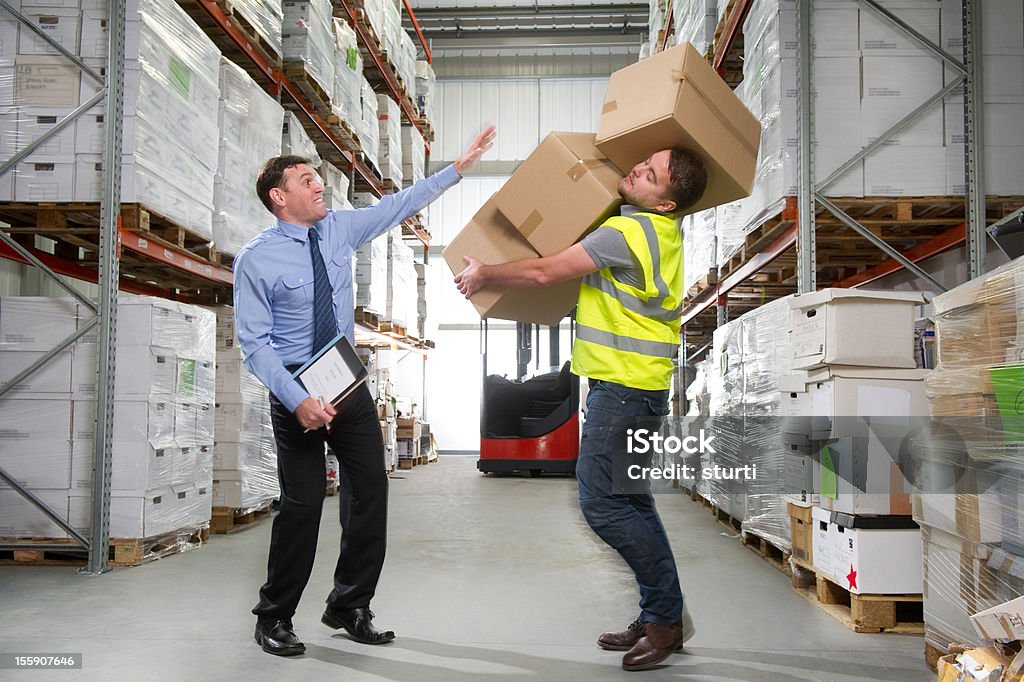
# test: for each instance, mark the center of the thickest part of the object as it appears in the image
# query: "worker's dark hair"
(272, 175)
(687, 178)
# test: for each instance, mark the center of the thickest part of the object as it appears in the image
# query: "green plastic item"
(828, 474)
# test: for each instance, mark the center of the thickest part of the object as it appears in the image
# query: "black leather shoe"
(357, 623)
(277, 637)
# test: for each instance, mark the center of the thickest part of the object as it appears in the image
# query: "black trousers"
(356, 441)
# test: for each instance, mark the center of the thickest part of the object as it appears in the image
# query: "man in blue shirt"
(274, 313)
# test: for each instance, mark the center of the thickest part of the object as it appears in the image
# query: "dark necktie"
(325, 326)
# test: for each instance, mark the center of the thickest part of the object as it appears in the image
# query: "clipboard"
(335, 371)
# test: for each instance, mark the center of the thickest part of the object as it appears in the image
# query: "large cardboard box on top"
(490, 238)
(675, 98)
(563, 189)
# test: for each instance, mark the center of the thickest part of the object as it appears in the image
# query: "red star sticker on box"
(851, 578)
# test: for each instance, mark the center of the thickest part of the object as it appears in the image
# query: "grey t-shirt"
(608, 248)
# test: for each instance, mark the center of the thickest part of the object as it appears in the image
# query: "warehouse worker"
(293, 293)
(627, 321)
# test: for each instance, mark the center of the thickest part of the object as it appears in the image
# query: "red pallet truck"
(529, 424)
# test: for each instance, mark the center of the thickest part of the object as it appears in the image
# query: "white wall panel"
(571, 104)
(453, 210)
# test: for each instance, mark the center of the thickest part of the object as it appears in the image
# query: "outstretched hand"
(473, 152)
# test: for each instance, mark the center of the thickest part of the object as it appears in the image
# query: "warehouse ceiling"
(449, 24)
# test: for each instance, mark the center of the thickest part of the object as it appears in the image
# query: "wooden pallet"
(393, 328)
(331, 490)
(226, 520)
(873, 613)
(343, 130)
(777, 556)
(314, 93)
(367, 318)
(406, 462)
(703, 284)
(722, 516)
(123, 552)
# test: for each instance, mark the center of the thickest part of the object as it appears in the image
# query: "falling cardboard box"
(491, 238)
(675, 98)
(563, 189)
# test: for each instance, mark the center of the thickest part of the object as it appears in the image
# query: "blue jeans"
(628, 523)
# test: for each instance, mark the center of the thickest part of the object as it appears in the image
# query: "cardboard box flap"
(800, 301)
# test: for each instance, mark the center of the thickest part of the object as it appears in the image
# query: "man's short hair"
(687, 178)
(272, 175)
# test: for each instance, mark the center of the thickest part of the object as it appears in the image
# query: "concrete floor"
(486, 579)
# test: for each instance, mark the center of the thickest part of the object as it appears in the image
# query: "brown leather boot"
(657, 644)
(622, 641)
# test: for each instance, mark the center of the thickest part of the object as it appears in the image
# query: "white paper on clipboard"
(334, 373)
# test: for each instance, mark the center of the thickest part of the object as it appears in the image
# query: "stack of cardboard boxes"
(969, 500)
(569, 184)
(408, 443)
(390, 130)
(853, 392)
(244, 454)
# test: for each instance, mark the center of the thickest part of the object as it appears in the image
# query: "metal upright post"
(109, 272)
(806, 252)
(974, 168)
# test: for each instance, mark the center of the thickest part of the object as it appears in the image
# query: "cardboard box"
(139, 467)
(44, 180)
(45, 465)
(142, 516)
(35, 122)
(492, 239)
(52, 380)
(36, 322)
(801, 526)
(20, 518)
(25, 421)
(847, 327)
(563, 189)
(906, 171)
(142, 371)
(59, 23)
(675, 98)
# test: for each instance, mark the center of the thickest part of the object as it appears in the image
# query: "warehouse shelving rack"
(125, 235)
(788, 246)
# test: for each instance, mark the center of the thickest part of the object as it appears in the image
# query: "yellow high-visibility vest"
(630, 335)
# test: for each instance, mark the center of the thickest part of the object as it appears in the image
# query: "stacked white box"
(244, 454)
(295, 141)
(348, 74)
(698, 246)
(369, 128)
(414, 155)
(249, 120)
(401, 278)
(695, 22)
(169, 157)
(389, 117)
(425, 86)
(307, 37)
(335, 187)
(1002, 71)
(265, 17)
(371, 275)
(421, 300)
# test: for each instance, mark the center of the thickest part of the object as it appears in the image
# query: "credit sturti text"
(684, 472)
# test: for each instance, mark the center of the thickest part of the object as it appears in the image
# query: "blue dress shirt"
(273, 289)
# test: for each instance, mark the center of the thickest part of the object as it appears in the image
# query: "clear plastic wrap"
(695, 22)
(335, 187)
(308, 37)
(372, 275)
(401, 277)
(296, 141)
(249, 120)
(699, 244)
(348, 74)
(266, 18)
(748, 358)
(369, 130)
(414, 156)
(389, 117)
(169, 155)
(425, 86)
(973, 528)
